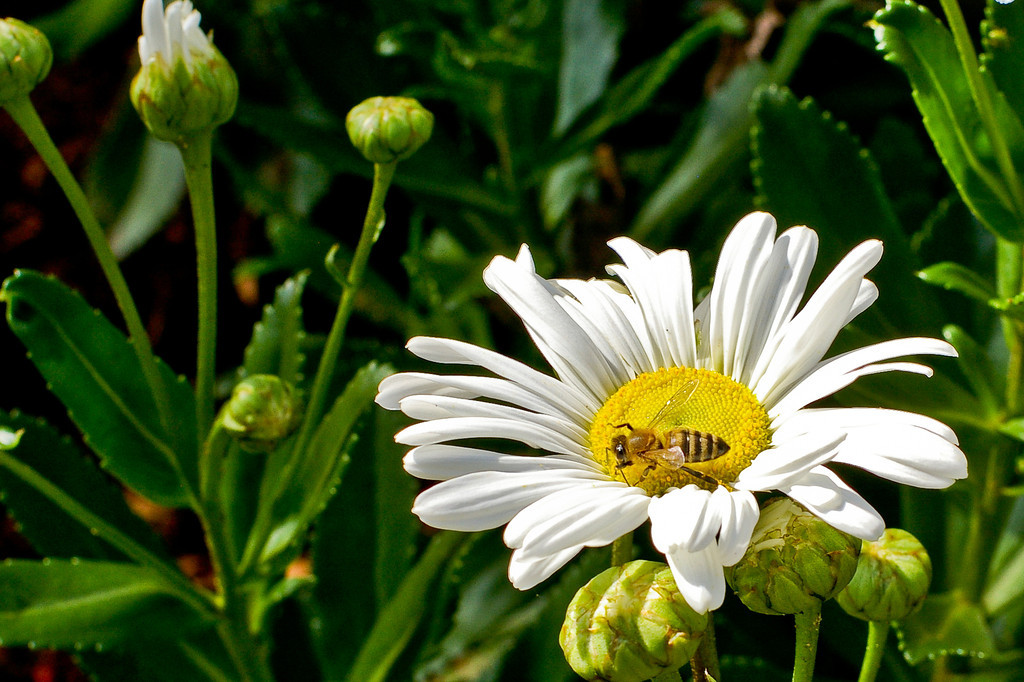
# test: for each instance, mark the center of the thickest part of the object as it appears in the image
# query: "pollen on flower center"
(678, 426)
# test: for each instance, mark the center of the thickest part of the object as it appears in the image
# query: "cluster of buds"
(185, 86)
(794, 562)
(630, 623)
(261, 412)
(25, 59)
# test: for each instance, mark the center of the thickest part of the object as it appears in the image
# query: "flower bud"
(630, 623)
(892, 578)
(386, 129)
(794, 560)
(25, 59)
(185, 85)
(262, 410)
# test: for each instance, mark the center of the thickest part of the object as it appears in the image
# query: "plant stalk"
(808, 624)
(878, 632)
(705, 661)
(196, 152)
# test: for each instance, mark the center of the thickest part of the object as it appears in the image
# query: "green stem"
(705, 661)
(372, 226)
(980, 94)
(622, 549)
(807, 625)
(878, 632)
(196, 152)
(25, 115)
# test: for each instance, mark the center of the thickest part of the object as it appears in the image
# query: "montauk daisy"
(662, 411)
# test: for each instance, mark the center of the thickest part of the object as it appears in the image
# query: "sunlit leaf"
(956, 277)
(912, 38)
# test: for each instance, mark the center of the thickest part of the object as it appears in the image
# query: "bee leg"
(704, 477)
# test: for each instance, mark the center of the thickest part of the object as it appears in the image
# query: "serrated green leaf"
(1003, 37)
(956, 277)
(974, 362)
(50, 528)
(65, 604)
(946, 624)
(312, 478)
(590, 45)
(91, 367)
(809, 170)
(275, 347)
(918, 43)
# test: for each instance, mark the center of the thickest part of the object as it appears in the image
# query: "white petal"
(836, 373)
(810, 420)
(905, 454)
(441, 462)
(743, 256)
(699, 577)
(617, 314)
(662, 285)
(592, 517)
(450, 351)
(684, 518)
(154, 31)
(527, 571)
(789, 461)
(570, 351)
(739, 516)
(825, 495)
(490, 499)
(810, 334)
(773, 298)
(457, 428)
(434, 407)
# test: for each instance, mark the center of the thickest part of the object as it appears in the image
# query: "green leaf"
(82, 23)
(723, 133)
(635, 91)
(974, 362)
(313, 476)
(1011, 307)
(397, 621)
(809, 170)
(946, 624)
(76, 603)
(157, 190)
(51, 529)
(394, 492)
(90, 366)
(956, 277)
(918, 43)
(1002, 33)
(276, 344)
(590, 45)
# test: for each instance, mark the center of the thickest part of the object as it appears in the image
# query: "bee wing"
(673, 457)
(674, 404)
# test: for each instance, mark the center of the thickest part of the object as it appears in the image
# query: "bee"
(673, 448)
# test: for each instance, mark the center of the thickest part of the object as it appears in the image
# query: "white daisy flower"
(662, 411)
(172, 33)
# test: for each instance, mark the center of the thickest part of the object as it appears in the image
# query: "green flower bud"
(185, 85)
(630, 623)
(892, 578)
(794, 560)
(262, 410)
(386, 129)
(25, 59)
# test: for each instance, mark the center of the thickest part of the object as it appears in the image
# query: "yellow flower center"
(676, 426)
